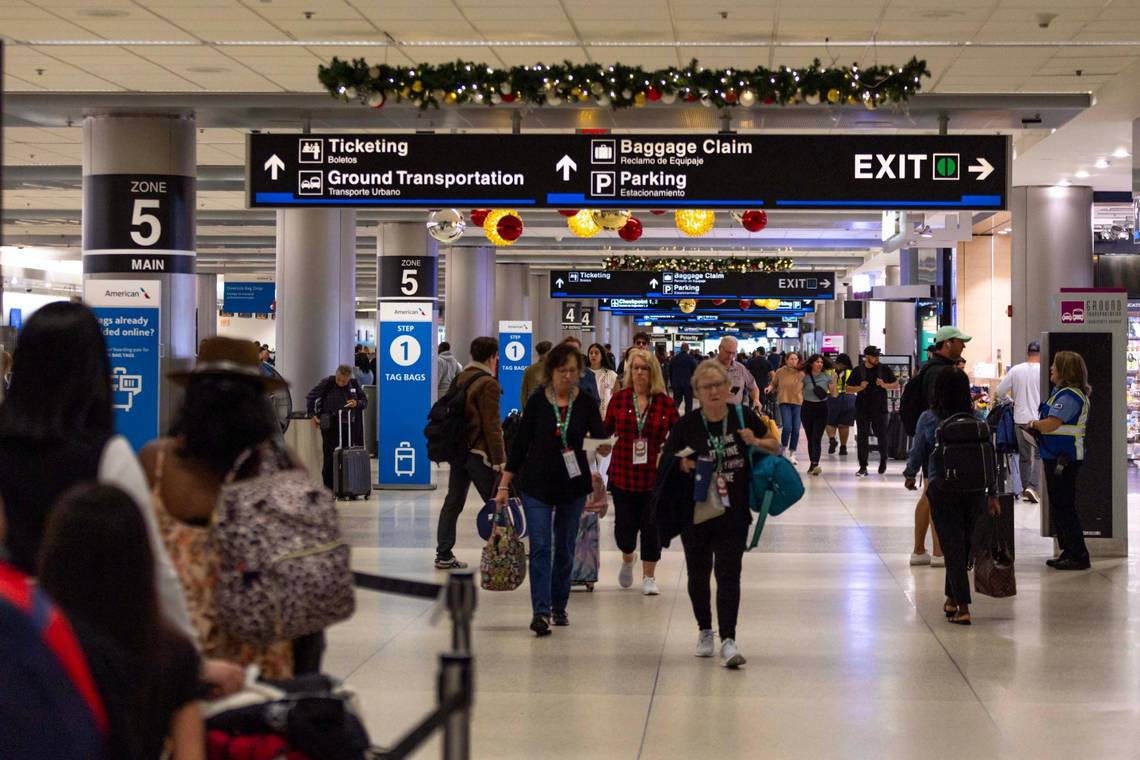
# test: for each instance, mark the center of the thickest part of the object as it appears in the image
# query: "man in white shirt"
(1023, 383)
(740, 379)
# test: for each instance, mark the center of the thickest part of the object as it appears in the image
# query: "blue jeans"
(553, 531)
(790, 426)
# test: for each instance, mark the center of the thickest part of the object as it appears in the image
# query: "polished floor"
(849, 655)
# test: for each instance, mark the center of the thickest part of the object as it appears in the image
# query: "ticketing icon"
(124, 388)
(310, 183)
(312, 151)
(405, 460)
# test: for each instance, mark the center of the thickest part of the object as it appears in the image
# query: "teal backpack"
(775, 485)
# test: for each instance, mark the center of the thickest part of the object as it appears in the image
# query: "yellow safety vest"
(1075, 431)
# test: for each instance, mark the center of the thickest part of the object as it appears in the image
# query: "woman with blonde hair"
(641, 415)
(1060, 432)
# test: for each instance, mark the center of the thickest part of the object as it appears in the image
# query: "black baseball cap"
(1033, 348)
(872, 351)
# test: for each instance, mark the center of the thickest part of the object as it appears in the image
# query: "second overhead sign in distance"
(698, 285)
(629, 171)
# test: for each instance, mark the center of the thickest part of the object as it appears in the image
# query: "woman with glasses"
(550, 462)
(702, 495)
(641, 415)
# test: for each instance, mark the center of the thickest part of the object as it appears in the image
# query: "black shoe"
(1071, 564)
(560, 618)
(1051, 562)
(862, 473)
(540, 625)
(882, 466)
(842, 451)
(831, 445)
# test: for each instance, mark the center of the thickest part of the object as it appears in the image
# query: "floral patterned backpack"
(503, 566)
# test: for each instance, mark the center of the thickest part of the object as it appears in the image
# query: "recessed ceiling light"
(1120, 153)
(1081, 174)
(1102, 163)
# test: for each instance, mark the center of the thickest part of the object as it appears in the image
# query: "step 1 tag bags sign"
(503, 565)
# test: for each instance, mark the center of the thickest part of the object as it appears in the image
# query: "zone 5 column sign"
(514, 357)
(128, 313)
(404, 357)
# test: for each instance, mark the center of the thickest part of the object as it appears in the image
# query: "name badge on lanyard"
(641, 451)
(641, 444)
(570, 457)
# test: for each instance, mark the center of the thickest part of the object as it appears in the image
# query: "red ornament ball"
(479, 215)
(568, 211)
(718, 302)
(509, 97)
(653, 94)
(692, 97)
(769, 100)
(657, 211)
(754, 221)
(745, 304)
(631, 231)
(730, 96)
(510, 228)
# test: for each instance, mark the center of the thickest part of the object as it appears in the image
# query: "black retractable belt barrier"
(456, 686)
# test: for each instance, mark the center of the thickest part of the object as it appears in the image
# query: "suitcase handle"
(340, 426)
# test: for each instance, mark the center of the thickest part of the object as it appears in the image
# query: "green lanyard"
(641, 417)
(562, 421)
(717, 444)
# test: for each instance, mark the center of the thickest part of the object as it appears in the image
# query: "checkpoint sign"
(629, 171)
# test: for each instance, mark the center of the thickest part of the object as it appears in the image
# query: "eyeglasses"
(566, 371)
(640, 343)
(717, 386)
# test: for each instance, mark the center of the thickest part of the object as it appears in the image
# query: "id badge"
(722, 490)
(641, 451)
(570, 457)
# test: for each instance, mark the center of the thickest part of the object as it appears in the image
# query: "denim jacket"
(922, 453)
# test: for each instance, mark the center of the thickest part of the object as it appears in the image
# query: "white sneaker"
(938, 561)
(706, 644)
(625, 575)
(1031, 494)
(793, 460)
(920, 559)
(649, 587)
(730, 655)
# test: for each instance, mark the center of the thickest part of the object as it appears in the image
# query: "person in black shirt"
(553, 472)
(336, 393)
(870, 382)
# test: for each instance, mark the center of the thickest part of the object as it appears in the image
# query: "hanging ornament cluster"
(503, 226)
(582, 224)
(446, 225)
(632, 263)
(694, 222)
(619, 85)
(611, 219)
(687, 305)
(586, 223)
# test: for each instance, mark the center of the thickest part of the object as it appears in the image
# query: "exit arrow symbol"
(983, 169)
(274, 165)
(653, 283)
(825, 283)
(566, 165)
(559, 282)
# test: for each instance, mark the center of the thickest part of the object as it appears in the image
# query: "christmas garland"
(619, 85)
(692, 264)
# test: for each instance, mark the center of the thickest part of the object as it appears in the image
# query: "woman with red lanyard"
(641, 414)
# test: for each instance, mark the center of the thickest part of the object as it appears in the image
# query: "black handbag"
(993, 562)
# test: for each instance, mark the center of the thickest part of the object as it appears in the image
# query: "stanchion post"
(455, 679)
(461, 605)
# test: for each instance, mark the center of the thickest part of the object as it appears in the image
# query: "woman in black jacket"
(554, 476)
(713, 527)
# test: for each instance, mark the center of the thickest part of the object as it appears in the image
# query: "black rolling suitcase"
(352, 467)
(898, 445)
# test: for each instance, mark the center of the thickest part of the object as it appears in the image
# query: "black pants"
(868, 423)
(715, 546)
(683, 393)
(1063, 507)
(307, 653)
(463, 474)
(955, 514)
(330, 440)
(632, 514)
(813, 415)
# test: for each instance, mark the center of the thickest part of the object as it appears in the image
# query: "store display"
(1132, 381)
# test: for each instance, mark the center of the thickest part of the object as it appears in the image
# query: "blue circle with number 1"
(405, 350)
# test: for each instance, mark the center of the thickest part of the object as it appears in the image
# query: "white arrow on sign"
(983, 169)
(274, 165)
(559, 282)
(653, 283)
(825, 283)
(566, 165)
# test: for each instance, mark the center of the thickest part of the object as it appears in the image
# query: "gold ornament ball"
(852, 100)
(687, 305)
(582, 224)
(612, 219)
(772, 303)
(833, 95)
(694, 222)
(452, 98)
(491, 226)
(417, 86)
(761, 325)
(639, 100)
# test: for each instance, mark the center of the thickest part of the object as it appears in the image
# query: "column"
(546, 312)
(603, 322)
(139, 185)
(512, 293)
(852, 330)
(471, 301)
(900, 338)
(316, 294)
(1052, 249)
(207, 305)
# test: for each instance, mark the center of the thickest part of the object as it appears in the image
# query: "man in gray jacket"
(448, 367)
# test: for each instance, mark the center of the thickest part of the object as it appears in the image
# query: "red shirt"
(621, 419)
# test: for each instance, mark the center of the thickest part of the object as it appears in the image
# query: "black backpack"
(511, 427)
(968, 460)
(913, 402)
(446, 431)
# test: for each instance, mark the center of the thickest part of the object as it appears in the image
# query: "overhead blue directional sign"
(630, 171)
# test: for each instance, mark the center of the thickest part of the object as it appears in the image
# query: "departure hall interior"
(889, 249)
